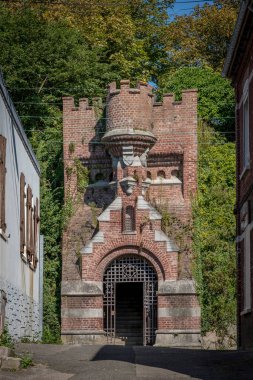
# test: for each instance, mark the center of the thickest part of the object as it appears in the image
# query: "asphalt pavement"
(109, 362)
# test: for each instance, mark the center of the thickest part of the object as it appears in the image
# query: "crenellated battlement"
(69, 104)
(188, 97)
(141, 88)
(129, 108)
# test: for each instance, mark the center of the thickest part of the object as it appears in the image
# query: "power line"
(101, 4)
(103, 104)
(107, 118)
(159, 143)
(165, 132)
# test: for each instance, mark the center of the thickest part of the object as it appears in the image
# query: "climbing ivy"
(214, 234)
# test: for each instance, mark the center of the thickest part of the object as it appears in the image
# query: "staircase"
(129, 313)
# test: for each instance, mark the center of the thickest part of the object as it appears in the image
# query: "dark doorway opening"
(131, 277)
(129, 312)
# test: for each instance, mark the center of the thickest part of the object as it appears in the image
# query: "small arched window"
(129, 219)
(175, 173)
(161, 174)
(149, 175)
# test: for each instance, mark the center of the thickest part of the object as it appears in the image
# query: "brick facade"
(141, 155)
(239, 68)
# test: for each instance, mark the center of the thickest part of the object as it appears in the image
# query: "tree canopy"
(202, 37)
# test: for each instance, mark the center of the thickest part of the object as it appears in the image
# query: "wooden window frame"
(3, 144)
(22, 214)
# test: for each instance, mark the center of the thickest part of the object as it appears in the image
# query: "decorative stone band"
(179, 312)
(176, 287)
(164, 181)
(81, 288)
(82, 313)
(84, 332)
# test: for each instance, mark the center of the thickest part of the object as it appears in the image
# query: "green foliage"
(5, 339)
(214, 234)
(213, 219)
(181, 234)
(46, 60)
(202, 37)
(82, 175)
(71, 147)
(26, 361)
(215, 94)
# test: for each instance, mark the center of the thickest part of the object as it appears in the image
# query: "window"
(149, 175)
(175, 173)
(2, 182)
(247, 273)
(29, 220)
(129, 219)
(245, 147)
(22, 213)
(161, 174)
(36, 220)
(29, 224)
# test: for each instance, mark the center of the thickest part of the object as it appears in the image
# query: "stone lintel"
(177, 287)
(81, 288)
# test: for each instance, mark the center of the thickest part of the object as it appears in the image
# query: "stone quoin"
(124, 280)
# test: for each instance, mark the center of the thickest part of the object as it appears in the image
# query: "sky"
(182, 7)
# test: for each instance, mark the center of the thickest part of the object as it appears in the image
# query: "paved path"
(61, 362)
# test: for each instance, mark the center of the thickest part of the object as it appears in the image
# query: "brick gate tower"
(124, 280)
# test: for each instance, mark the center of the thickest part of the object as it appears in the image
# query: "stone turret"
(129, 120)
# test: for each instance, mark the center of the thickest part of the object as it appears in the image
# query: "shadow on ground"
(198, 364)
(110, 362)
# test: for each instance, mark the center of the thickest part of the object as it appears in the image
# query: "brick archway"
(147, 255)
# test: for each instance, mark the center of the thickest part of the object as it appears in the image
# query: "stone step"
(5, 351)
(10, 363)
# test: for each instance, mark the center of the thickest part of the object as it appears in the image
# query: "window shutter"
(22, 212)
(2, 181)
(28, 220)
(36, 222)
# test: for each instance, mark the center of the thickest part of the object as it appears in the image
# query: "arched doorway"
(130, 301)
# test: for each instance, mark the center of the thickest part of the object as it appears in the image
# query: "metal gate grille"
(131, 269)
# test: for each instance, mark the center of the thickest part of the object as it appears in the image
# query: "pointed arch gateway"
(130, 300)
